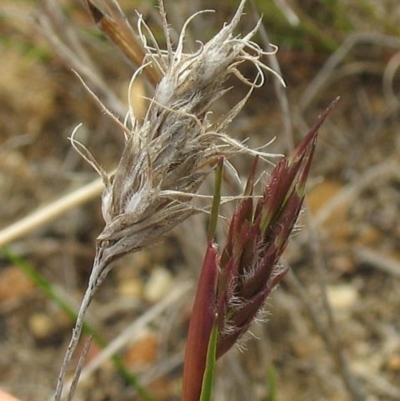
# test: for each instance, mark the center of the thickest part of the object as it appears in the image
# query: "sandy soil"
(333, 332)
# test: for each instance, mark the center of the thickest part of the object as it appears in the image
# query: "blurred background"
(333, 332)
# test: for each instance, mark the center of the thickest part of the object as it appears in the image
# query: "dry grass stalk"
(168, 156)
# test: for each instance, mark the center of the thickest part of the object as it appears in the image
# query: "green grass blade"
(272, 384)
(208, 379)
(212, 227)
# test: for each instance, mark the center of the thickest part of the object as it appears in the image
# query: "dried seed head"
(168, 156)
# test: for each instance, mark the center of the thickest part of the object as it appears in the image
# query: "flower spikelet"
(259, 232)
(235, 282)
(167, 157)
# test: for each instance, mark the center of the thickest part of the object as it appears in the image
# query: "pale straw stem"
(47, 214)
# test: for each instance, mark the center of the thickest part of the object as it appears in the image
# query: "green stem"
(209, 373)
(216, 200)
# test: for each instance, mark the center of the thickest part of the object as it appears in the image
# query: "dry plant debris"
(356, 166)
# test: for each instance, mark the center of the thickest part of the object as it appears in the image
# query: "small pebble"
(393, 363)
(41, 326)
(158, 285)
(342, 297)
(7, 397)
(131, 288)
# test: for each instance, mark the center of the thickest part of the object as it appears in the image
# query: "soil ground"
(333, 332)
